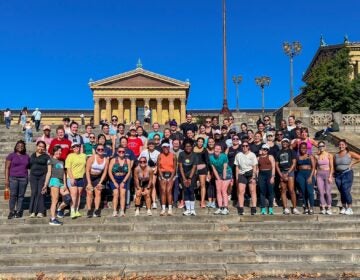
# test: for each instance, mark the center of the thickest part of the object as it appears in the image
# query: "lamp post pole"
(237, 80)
(292, 49)
(262, 82)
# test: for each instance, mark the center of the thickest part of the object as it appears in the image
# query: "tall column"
(96, 111)
(171, 108)
(159, 110)
(108, 109)
(183, 110)
(121, 109)
(133, 110)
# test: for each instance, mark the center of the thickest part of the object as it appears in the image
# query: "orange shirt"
(166, 162)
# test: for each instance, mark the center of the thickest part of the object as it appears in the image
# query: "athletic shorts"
(118, 180)
(245, 178)
(291, 174)
(203, 171)
(80, 182)
(56, 183)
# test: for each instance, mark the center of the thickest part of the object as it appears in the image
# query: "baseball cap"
(217, 131)
(165, 145)
(265, 147)
(173, 123)
(46, 127)
(269, 133)
(75, 144)
(285, 139)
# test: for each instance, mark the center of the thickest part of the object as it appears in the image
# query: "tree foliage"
(330, 88)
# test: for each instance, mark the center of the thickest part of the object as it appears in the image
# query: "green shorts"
(56, 183)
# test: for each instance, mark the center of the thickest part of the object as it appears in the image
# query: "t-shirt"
(153, 133)
(177, 135)
(188, 126)
(77, 164)
(285, 158)
(245, 162)
(232, 152)
(129, 154)
(65, 145)
(255, 148)
(37, 115)
(57, 169)
(39, 164)
(135, 145)
(19, 164)
(218, 163)
(88, 148)
(187, 161)
(75, 138)
(150, 155)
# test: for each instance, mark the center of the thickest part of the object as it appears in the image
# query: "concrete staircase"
(324, 246)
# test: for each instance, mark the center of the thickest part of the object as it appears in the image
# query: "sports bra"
(117, 168)
(342, 163)
(97, 168)
(143, 178)
(306, 161)
(323, 162)
(264, 163)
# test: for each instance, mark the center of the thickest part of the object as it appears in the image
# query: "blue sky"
(50, 49)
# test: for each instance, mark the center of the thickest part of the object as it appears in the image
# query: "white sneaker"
(40, 215)
(163, 212)
(122, 213)
(286, 211)
(137, 212)
(323, 212)
(148, 212)
(218, 211)
(192, 213)
(349, 211)
(115, 214)
(154, 205)
(170, 213)
(328, 212)
(32, 215)
(342, 211)
(187, 212)
(225, 211)
(296, 212)
(229, 197)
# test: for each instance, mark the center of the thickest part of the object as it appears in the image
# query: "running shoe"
(97, 213)
(286, 211)
(311, 212)
(306, 211)
(296, 212)
(241, 211)
(187, 212)
(55, 222)
(11, 215)
(349, 211)
(40, 215)
(115, 213)
(253, 211)
(154, 205)
(208, 205)
(122, 213)
(60, 214)
(18, 214)
(192, 213)
(225, 211)
(263, 211)
(218, 211)
(212, 205)
(271, 211)
(163, 212)
(89, 214)
(170, 212)
(137, 212)
(323, 211)
(78, 214)
(73, 215)
(342, 211)
(148, 212)
(328, 212)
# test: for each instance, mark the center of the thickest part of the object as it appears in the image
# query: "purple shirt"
(19, 165)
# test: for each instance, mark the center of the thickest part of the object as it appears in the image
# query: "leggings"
(17, 192)
(211, 193)
(324, 187)
(189, 192)
(266, 188)
(344, 182)
(306, 189)
(37, 198)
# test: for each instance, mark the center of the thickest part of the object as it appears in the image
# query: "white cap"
(285, 139)
(217, 131)
(265, 146)
(165, 145)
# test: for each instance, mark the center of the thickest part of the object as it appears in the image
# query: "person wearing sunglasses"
(75, 168)
(101, 140)
(119, 173)
(187, 165)
(96, 172)
(278, 137)
(143, 179)
(86, 135)
(231, 153)
(208, 128)
(324, 177)
(113, 125)
(90, 146)
(246, 168)
(167, 170)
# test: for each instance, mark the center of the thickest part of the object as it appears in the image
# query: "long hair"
(20, 142)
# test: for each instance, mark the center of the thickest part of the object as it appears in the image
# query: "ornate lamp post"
(292, 49)
(237, 80)
(262, 82)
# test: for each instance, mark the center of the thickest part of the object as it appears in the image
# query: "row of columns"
(133, 108)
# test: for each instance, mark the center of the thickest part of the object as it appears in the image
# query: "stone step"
(106, 237)
(322, 270)
(196, 246)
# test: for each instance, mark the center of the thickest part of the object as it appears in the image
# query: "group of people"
(213, 163)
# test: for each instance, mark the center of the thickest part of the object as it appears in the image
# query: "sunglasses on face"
(92, 137)
(321, 146)
(279, 135)
(266, 120)
(269, 135)
(245, 146)
(99, 150)
(121, 152)
(235, 138)
(142, 161)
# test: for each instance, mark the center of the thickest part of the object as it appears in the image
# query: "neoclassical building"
(125, 95)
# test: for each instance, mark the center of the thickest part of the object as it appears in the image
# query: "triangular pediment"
(138, 78)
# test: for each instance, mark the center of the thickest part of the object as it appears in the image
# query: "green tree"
(329, 87)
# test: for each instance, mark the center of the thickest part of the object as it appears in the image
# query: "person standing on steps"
(36, 117)
(7, 118)
(16, 178)
(324, 177)
(344, 161)
(187, 167)
(285, 167)
(39, 166)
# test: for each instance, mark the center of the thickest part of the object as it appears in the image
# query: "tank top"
(144, 178)
(97, 168)
(166, 162)
(323, 162)
(117, 168)
(264, 163)
(302, 162)
(342, 163)
(108, 142)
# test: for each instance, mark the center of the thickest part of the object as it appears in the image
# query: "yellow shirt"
(77, 164)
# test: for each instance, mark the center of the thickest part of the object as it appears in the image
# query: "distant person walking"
(7, 118)
(23, 116)
(36, 118)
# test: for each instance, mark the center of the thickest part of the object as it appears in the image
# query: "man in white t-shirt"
(36, 116)
(7, 117)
